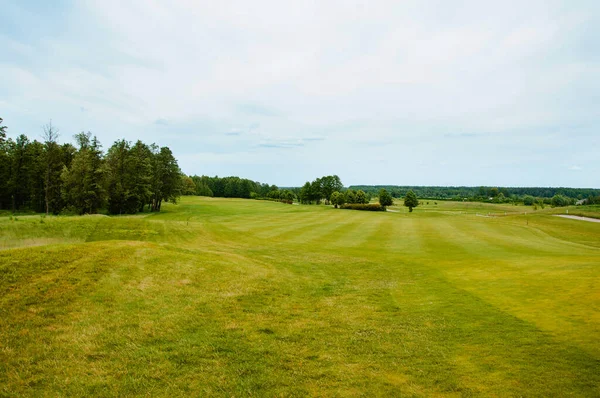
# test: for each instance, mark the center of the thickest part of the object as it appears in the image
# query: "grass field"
(226, 297)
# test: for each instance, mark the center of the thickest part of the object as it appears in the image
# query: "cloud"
(575, 168)
(498, 84)
(467, 135)
(259, 110)
(280, 144)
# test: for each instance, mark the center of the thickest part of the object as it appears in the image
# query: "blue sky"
(380, 92)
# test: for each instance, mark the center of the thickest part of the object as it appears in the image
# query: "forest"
(486, 194)
(52, 178)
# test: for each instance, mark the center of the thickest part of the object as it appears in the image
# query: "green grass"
(226, 297)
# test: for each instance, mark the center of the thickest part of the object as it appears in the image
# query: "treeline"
(53, 178)
(234, 187)
(319, 189)
(481, 193)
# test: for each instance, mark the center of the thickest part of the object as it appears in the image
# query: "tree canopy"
(53, 178)
(385, 199)
(411, 201)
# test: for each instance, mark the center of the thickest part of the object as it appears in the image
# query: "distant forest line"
(132, 177)
(480, 193)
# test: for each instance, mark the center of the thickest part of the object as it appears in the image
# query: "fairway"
(234, 297)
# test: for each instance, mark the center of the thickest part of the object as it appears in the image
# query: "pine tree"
(83, 183)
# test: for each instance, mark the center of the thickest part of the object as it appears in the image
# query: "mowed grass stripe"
(345, 303)
(518, 281)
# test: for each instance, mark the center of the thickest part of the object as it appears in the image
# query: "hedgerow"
(360, 206)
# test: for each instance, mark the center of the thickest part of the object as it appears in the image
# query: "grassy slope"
(237, 297)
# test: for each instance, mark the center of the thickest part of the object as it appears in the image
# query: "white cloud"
(372, 81)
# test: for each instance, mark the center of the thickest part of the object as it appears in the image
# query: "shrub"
(560, 200)
(363, 206)
(528, 200)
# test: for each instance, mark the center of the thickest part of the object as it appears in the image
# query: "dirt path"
(579, 218)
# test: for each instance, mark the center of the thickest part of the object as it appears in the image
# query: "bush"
(362, 206)
(560, 200)
(528, 200)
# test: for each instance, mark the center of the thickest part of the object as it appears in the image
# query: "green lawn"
(226, 297)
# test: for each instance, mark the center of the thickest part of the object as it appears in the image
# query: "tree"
(54, 165)
(118, 170)
(166, 177)
(17, 184)
(83, 183)
(140, 177)
(385, 199)
(5, 172)
(305, 193)
(528, 200)
(361, 197)
(337, 199)
(350, 196)
(559, 201)
(188, 185)
(410, 200)
(330, 184)
(316, 192)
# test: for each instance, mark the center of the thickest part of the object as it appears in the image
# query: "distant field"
(237, 297)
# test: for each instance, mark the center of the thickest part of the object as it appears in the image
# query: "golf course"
(239, 297)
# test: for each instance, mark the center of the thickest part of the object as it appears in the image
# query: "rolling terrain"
(237, 297)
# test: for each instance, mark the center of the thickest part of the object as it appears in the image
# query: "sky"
(494, 93)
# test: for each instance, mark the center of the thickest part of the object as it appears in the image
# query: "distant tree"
(528, 200)
(361, 197)
(52, 174)
(559, 201)
(287, 195)
(83, 183)
(410, 200)
(166, 178)
(385, 199)
(4, 167)
(118, 161)
(329, 184)
(481, 193)
(35, 176)
(316, 193)
(305, 193)
(20, 162)
(337, 199)
(188, 185)
(202, 186)
(140, 177)
(350, 196)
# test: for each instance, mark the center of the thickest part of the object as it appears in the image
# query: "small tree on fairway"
(410, 200)
(385, 199)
